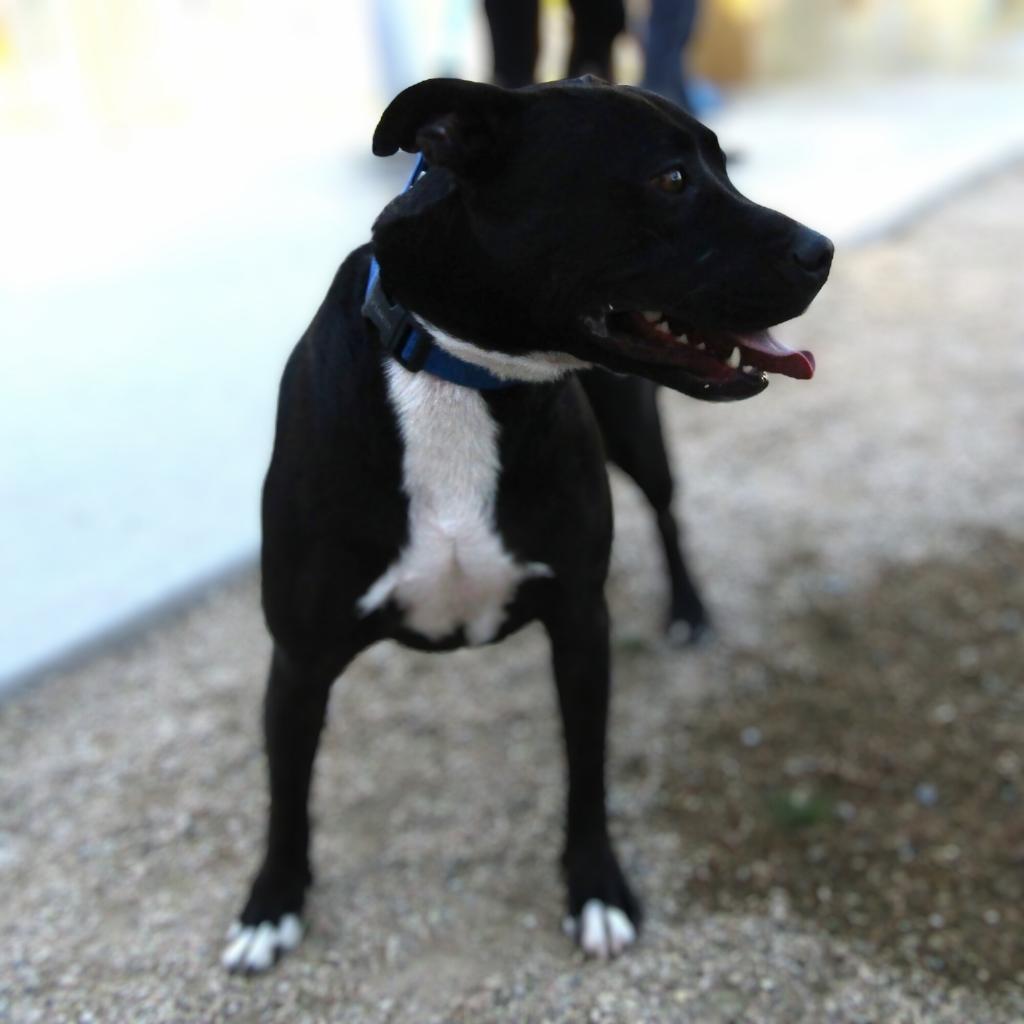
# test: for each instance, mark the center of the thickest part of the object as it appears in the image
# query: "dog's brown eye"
(671, 181)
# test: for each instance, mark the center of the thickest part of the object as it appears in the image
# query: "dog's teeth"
(748, 369)
(651, 317)
(701, 346)
(734, 359)
(683, 338)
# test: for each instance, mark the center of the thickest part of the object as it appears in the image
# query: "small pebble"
(967, 657)
(845, 810)
(751, 736)
(1011, 621)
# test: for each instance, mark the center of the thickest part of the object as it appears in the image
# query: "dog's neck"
(409, 227)
(531, 368)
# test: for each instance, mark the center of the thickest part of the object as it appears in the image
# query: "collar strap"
(407, 343)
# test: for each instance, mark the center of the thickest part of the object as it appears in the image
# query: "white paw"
(601, 931)
(254, 948)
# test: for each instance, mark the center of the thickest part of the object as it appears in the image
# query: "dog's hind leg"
(604, 915)
(293, 716)
(627, 412)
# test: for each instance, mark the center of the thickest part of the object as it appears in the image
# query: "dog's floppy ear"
(464, 126)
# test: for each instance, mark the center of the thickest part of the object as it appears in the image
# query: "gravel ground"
(821, 809)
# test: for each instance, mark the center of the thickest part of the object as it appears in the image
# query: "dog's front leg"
(603, 912)
(293, 716)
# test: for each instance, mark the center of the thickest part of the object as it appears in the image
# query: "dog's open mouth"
(714, 356)
(724, 364)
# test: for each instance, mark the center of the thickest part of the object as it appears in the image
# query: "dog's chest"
(454, 571)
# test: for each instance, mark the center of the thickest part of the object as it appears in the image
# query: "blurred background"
(822, 807)
(180, 179)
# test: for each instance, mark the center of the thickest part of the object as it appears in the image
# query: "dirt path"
(822, 811)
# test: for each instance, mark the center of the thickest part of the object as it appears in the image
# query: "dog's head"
(595, 220)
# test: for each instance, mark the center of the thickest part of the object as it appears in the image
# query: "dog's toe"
(602, 931)
(252, 949)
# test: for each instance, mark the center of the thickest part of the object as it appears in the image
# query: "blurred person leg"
(596, 23)
(515, 40)
(669, 29)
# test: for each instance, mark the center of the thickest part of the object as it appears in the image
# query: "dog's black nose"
(813, 252)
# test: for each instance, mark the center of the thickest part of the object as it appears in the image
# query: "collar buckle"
(399, 335)
(409, 345)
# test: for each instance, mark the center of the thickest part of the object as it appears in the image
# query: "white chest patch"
(454, 570)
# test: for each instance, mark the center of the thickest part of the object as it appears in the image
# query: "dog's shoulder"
(333, 416)
(335, 369)
(337, 338)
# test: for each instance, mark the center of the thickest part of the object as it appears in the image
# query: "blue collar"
(408, 344)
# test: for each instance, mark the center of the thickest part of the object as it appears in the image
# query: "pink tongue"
(778, 358)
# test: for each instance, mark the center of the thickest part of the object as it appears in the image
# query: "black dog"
(438, 476)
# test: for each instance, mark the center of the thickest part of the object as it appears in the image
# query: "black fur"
(626, 409)
(537, 213)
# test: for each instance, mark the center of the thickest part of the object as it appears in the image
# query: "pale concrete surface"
(149, 297)
(139, 404)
